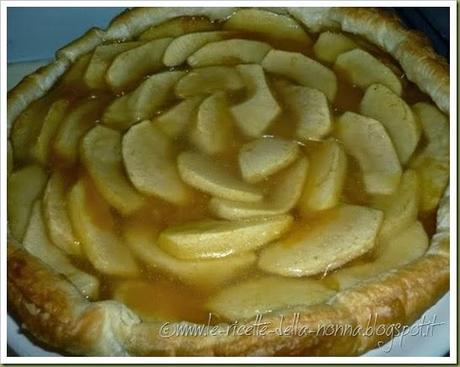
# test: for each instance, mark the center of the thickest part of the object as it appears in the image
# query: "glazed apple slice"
(184, 46)
(100, 61)
(38, 244)
(207, 175)
(265, 156)
(283, 196)
(209, 80)
(57, 217)
(51, 123)
(401, 208)
(215, 238)
(9, 159)
(432, 164)
(309, 108)
(26, 128)
(268, 24)
(325, 179)
(24, 187)
(405, 246)
(175, 121)
(101, 155)
(94, 226)
(177, 27)
(142, 239)
(143, 102)
(148, 159)
(368, 142)
(397, 250)
(385, 106)
(363, 69)
(229, 52)
(266, 294)
(254, 115)
(132, 65)
(212, 132)
(74, 77)
(303, 70)
(334, 238)
(435, 127)
(78, 121)
(329, 45)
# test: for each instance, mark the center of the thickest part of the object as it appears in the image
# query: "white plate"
(429, 336)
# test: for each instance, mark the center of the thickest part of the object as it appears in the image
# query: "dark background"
(433, 22)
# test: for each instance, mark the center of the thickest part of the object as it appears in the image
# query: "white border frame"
(238, 360)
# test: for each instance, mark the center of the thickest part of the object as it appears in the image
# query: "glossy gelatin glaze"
(190, 170)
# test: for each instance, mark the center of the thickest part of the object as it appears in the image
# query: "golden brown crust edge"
(52, 310)
(109, 328)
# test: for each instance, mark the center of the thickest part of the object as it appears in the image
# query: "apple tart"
(206, 166)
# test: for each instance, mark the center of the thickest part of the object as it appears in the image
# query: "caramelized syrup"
(156, 296)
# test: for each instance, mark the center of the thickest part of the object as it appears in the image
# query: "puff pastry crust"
(54, 312)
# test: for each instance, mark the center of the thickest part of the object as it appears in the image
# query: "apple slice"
(432, 164)
(184, 46)
(175, 121)
(401, 208)
(329, 45)
(332, 239)
(382, 104)
(434, 177)
(209, 80)
(147, 155)
(78, 121)
(216, 238)
(267, 294)
(142, 240)
(268, 24)
(402, 248)
(101, 60)
(26, 128)
(265, 156)
(212, 132)
(132, 65)
(207, 175)
(38, 244)
(74, 76)
(397, 250)
(282, 197)
(309, 108)
(254, 115)
(303, 70)
(24, 187)
(325, 179)
(101, 155)
(177, 27)
(435, 127)
(143, 102)
(363, 69)
(94, 226)
(57, 218)
(351, 276)
(368, 142)
(51, 123)
(229, 52)
(9, 159)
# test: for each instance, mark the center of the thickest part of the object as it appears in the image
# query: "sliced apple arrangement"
(208, 154)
